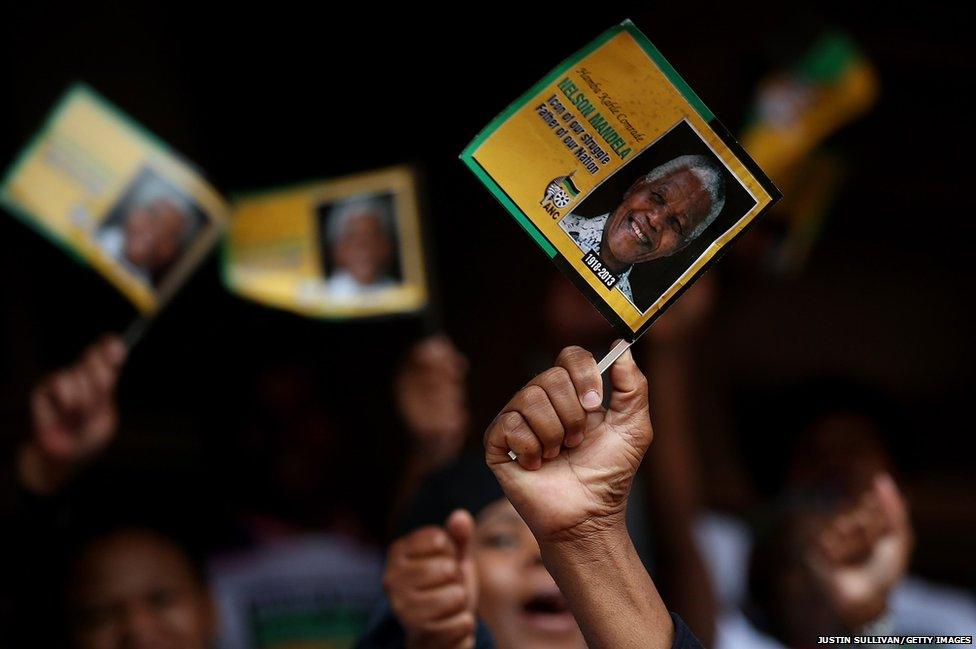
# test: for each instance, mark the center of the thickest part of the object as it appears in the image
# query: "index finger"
(99, 371)
(585, 376)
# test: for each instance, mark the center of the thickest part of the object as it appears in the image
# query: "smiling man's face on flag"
(655, 219)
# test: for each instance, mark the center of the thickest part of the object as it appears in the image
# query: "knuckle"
(467, 623)
(510, 422)
(534, 396)
(641, 381)
(398, 563)
(574, 355)
(554, 376)
(420, 540)
(455, 596)
(444, 569)
(435, 538)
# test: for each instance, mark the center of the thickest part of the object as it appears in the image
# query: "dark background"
(258, 99)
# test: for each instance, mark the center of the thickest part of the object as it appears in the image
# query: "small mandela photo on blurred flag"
(115, 197)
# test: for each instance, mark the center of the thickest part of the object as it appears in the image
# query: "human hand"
(863, 552)
(431, 583)
(575, 460)
(73, 416)
(431, 397)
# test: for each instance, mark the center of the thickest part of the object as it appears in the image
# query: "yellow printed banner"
(622, 175)
(112, 195)
(342, 248)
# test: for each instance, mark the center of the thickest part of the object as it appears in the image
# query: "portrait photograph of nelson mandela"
(650, 222)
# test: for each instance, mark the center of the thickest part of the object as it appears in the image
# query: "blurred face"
(517, 598)
(364, 248)
(153, 232)
(136, 590)
(654, 220)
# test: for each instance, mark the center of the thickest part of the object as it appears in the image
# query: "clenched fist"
(575, 460)
(431, 583)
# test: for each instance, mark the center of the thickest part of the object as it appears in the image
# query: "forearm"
(609, 591)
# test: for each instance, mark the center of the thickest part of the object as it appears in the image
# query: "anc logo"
(560, 191)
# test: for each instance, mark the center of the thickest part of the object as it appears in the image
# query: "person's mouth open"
(546, 611)
(640, 228)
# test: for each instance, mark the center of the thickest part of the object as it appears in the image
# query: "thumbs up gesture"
(431, 583)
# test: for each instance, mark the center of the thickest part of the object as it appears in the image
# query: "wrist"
(38, 473)
(604, 582)
(591, 538)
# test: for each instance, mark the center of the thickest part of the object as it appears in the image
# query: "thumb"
(113, 348)
(893, 505)
(460, 527)
(628, 386)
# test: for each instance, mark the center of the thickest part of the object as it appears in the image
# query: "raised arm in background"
(73, 418)
(431, 397)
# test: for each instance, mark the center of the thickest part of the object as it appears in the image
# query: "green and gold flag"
(622, 175)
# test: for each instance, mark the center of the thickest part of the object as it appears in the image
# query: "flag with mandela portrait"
(116, 198)
(622, 175)
(348, 247)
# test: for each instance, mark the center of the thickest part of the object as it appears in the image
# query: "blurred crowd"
(298, 563)
(344, 498)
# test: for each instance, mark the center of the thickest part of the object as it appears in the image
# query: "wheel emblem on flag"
(560, 191)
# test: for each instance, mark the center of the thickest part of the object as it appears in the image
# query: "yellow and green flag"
(116, 198)
(622, 175)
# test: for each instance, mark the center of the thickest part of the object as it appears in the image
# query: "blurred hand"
(862, 553)
(576, 461)
(73, 416)
(432, 586)
(686, 317)
(431, 397)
